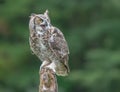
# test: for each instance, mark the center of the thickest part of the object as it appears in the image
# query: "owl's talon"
(44, 64)
(52, 66)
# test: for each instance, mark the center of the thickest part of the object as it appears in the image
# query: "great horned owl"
(48, 44)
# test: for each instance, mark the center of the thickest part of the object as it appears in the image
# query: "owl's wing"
(59, 45)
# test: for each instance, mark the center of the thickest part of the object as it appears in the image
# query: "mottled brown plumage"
(48, 44)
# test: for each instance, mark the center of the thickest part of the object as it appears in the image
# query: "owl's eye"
(41, 20)
(38, 20)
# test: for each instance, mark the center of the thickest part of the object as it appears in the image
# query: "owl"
(48, 44)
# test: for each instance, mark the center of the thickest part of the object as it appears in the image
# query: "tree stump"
(48, 81)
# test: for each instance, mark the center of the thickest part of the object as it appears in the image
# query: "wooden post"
(48, 81)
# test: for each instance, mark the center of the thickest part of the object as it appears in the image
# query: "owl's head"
(40, 20)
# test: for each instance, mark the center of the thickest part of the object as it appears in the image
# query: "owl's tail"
(62, 69)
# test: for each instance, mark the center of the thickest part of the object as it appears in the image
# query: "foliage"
(91, 28)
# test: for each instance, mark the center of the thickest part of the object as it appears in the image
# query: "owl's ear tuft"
(47, 16)
(32, 15)
(46, 13)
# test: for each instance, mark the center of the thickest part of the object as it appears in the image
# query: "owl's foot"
(60, 71)
(44, 64)
(52, 66)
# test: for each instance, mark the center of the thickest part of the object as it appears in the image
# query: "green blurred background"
(92, 30)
